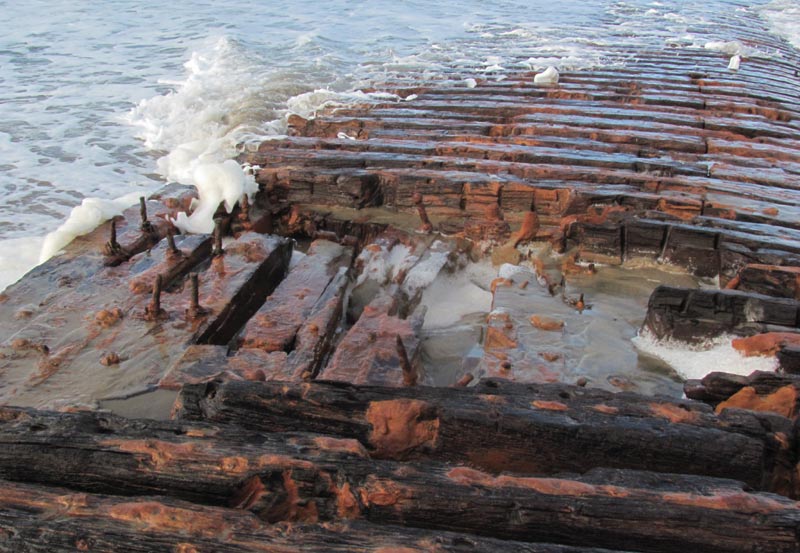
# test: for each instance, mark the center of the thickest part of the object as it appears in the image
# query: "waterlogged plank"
(48, 520)
(305, 478)
(511, 427)
(275, 324)
(92, 328)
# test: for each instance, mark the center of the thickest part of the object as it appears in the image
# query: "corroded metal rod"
(409, 376)
(217, 251)
(112, 247)
(171, 247)
(146, 225)
(423, 214)
(154, 309)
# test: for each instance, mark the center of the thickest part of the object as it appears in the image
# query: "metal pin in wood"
(423, 214)
(112, 247)
(154, 309)
(146, 225)
(217, 251)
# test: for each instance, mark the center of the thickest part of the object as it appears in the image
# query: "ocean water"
(103, 102)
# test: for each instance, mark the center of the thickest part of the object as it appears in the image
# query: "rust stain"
(496, 338)
(160, 453)
(603, 408)
(155, 516)
(547, 486)
(766, 344)
(546, 323)
(297, 509)
(347, 506)
(340, 445)
(783, 401)
(107, 318)
(549, 405)
(248, 494)
(185, 548)
(733, 500)
(673, 413)
(401, 426)
(491, 398)
(382, 493)
(235, 465)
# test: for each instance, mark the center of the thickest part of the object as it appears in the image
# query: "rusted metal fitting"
(146, 225)
(195, 310)
(423, 214)
(112, 247)
(153, 311)
(217, 251)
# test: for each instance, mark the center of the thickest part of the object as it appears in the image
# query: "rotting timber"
(304, 419)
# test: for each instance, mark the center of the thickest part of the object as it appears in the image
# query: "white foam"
(200, 123)
(547, 77)
(17, 257)
(732, 48)
(694, 362)
(84, 218)
(307, 105)
(471, 83)
(783, 17)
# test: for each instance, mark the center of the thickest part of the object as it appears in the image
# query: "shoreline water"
(83, 135)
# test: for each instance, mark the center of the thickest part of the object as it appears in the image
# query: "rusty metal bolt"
(217, 251)
(427, 226)
(146, 225)
(194, 310)
(153, 311)
(112, 247)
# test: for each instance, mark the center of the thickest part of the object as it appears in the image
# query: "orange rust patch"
(382, 493)
(340, 445)
(500, 282)
(400, 426)
(547, 486)
(497, 339)
(235, 465)
(783, 401)
(607, 409)
(201, 432)
(151, 515)
(346, 503)
(293, 508)
(672, 413)
(159, 452)
(248, 494)
(8, 414)
(731, 501)
(766, 344)
(550, 356)
(490, 398)
(108, 317)
(549, 405)
(185, 548)
(546, 323)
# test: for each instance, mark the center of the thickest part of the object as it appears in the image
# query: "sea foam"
(696, 361)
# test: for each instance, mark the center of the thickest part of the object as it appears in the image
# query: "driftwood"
(34, 519)
(498, 426)
(306, 478)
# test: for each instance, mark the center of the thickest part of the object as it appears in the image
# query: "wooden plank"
(511, 427)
